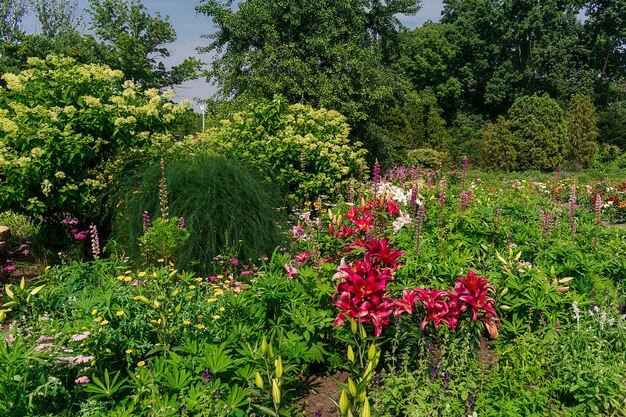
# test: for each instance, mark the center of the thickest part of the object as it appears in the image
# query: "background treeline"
(512, 84)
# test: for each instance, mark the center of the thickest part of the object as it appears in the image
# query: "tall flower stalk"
(572, 209)
(421, 215)
(95, 241)
(163, 200)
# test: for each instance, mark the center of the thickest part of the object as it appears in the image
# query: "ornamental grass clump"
(226, 208)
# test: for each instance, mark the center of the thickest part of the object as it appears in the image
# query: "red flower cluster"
(362, 218)
(361, 293)
(448, 307)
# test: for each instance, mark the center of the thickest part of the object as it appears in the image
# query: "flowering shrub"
(306, 150)
(63, 128)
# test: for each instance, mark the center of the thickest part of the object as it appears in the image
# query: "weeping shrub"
(226, 209)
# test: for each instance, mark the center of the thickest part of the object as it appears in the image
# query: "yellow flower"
(128, 272)
(119, 313)
(98, 319)
(138, 376)
(222, 309)
(211, 300)
(188, 297)
(104, 322)
(191, 287)
(198, 279)
(172, 264)
(141, 363)
(218, 293)
(200, 316)
(94, 312)
(220, 276)
(128, 351)
(237, 290)
(127, 279)
(186, 322)
(160, 260)
(200, 326)
(141, 274)
(121, 277)
(216, 316)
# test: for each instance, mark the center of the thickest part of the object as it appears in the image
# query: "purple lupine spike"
(598, 207)
(145, 221)
(442, 192)
(95, 241)
(421, 215)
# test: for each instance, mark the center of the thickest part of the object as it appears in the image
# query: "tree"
(11, 14)
(56, 16)
(427, 57)
(512, 48)
(133, 42)
(532, 136)
(582, 132)
(323, 53)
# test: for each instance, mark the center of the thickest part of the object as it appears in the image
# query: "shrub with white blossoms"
(305, 150)
(63, 125)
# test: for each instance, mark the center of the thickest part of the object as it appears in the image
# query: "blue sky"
(190, 27)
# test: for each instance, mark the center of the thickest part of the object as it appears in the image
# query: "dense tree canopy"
(124, 36)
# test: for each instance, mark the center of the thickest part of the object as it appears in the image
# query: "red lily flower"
(438, 309)
(406, 304)
(363, 222)
(302, 257)
(472, 293)
(377, 250)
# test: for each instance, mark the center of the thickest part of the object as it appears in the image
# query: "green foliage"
(611, 123)
(325, 51)
(65, 126)
(582, 132)
(426, 158)
(132, 39)
(498, 147)
(533, 136)
(305, 151)
(225, 207)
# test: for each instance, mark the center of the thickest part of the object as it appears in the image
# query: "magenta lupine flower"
(350, 192)
(559, 168)
(464, 166)
(572, 202)
(466, 199)
(376, 177)
(145, 221)
(181, 223)
(413, 201)
(95, 241)
(598, 207)
(548, 222)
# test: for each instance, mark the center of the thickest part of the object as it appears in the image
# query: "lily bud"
(278, 363)
(350, 354)
(371, 353)
(264, 346)
(351, 387)
(275, 391)
(365, 411)
(258, 380)
(343, 402)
